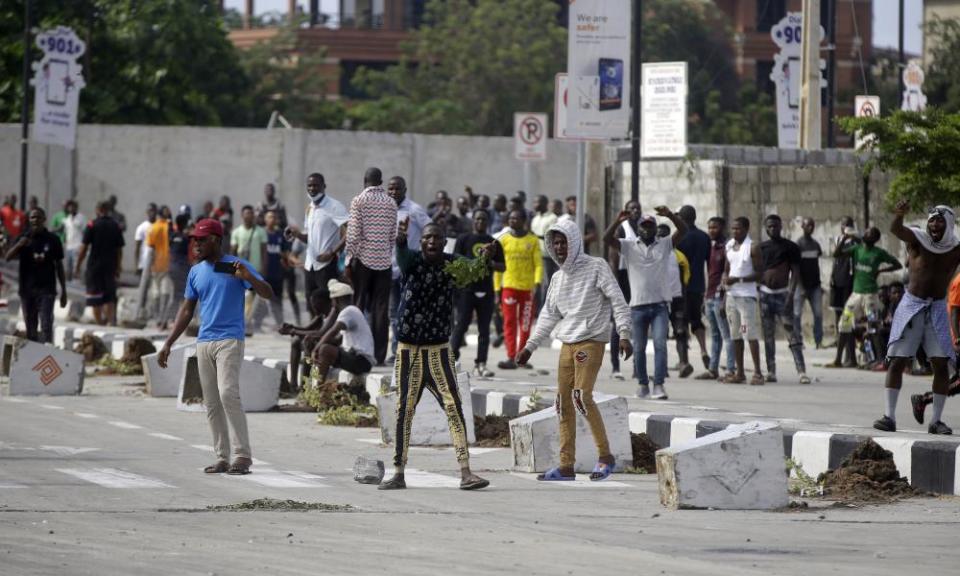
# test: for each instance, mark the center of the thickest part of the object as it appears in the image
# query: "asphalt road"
(110, 482)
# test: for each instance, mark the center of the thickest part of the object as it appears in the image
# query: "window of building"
(362, 14)
(769, 12)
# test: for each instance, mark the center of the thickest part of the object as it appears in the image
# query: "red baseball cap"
(207, 227)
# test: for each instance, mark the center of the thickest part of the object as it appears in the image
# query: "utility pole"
(900, 58)
(831, 70)
(25, 106)
(635, 97)
(810, 77)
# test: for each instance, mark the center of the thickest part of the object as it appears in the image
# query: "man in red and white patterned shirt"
(371, 235)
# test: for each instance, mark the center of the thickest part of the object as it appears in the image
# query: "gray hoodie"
(580, 297)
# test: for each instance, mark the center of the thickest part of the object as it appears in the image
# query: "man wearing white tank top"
(740, 279)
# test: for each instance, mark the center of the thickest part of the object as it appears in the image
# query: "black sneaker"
(919, 407)
(497, 341)
(507, 365)
(885, 424)
(686, 370)
(939, 427)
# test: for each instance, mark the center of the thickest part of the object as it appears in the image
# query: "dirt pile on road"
(644, 452)
(868, 474)
(492, 431)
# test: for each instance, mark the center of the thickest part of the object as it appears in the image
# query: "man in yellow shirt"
(524, 271)
(158, 239)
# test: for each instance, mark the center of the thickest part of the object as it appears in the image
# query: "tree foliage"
(290, 81)
(148, 62)
(921, 148)
(470, 66)
(942, 79)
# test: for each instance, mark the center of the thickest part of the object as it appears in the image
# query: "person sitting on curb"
(319, 303)
(424, 358)
(578, 305)
(355, 354)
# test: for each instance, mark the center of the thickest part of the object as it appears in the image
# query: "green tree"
(290, 81)
(148, 62)
(468, 69)
(942, 79)
(921, 148)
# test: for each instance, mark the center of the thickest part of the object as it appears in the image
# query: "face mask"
(316, 199)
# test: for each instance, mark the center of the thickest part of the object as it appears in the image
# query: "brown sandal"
(757, 380)
(219, 468)
(240, 467)
(734, 379)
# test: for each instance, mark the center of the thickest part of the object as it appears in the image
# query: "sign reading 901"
(61, 41)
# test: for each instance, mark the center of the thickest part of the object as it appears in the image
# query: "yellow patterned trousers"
(427, 367)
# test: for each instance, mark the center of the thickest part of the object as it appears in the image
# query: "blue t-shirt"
(221, 300)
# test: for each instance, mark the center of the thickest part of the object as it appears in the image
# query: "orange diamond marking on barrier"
(49, 370)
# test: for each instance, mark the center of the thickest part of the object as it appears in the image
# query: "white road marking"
(163, 436)
(51, 407)
(473, 451)
(67, 450)
(113, 478)
(85, 415)
(420, 479)
(9, 485)
(369, 440)
(125, 425)
(582, 481)
(276, 479)
(207, 448)
(16, 400)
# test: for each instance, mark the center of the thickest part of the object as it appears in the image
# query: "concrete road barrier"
(535, 438)
(739, 468)
(378, 384)
(430, 426)
(36, 368)
(259, 385)
(164, 383)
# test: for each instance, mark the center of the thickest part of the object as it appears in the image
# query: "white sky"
(884, 18)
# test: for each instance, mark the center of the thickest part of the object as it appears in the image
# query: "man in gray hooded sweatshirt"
(578, 305)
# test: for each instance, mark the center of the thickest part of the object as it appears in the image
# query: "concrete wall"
(174, 165)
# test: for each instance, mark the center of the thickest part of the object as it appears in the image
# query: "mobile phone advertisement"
(598, 68)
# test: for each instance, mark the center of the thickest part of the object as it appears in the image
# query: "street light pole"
(900, 58)
(25, 106)
(635, 97)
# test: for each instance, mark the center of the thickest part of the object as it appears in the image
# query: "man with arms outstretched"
(921, 317)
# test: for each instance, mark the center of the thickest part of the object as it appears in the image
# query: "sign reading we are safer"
(57, 81)
(598, 68)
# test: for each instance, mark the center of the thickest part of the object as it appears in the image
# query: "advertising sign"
(57, 81)
(530, 136)
(913, 97)
(664, 118)
(865, 107)
(598, 68)
(788, 36)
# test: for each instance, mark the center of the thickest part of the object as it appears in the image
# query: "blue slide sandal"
(554, 475)
(601, 472)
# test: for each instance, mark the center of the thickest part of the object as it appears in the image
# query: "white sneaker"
(480, 370)
(658, 392)
(616, 375)
(643, 391)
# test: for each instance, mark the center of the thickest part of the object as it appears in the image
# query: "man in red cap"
(219, 283)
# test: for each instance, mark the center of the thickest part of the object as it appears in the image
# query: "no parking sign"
(530, 136)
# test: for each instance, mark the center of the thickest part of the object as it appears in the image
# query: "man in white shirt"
(416, 218)
(325, 235)
(144, 258)
(740, 279)
(73, 225)
(647, 258)
(355, 353)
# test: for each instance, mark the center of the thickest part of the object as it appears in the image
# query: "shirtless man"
(921, 317)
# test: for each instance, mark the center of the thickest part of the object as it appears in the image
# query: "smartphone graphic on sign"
(611, 83)
(57, 71)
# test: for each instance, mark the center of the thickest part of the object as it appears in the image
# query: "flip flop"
(554, 475)
(601, 472)
(240, 467)
(734, 379)
(219, 468)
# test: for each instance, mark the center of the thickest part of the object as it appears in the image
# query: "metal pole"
(526, 181)
(25, 107)
(900, 58)
(581, 189)
(635, 98)
(831, 70)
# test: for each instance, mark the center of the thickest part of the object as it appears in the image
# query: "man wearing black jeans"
(41, 266)
(371, 235)
(477, 297)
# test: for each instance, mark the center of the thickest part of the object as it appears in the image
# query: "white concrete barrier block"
(36, 368)
(535, 438)
(164, 383)
(376, 384)
(259, 385)
(740, 468)
(430, 427)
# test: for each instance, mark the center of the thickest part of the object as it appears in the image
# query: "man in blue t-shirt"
(220, 341)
